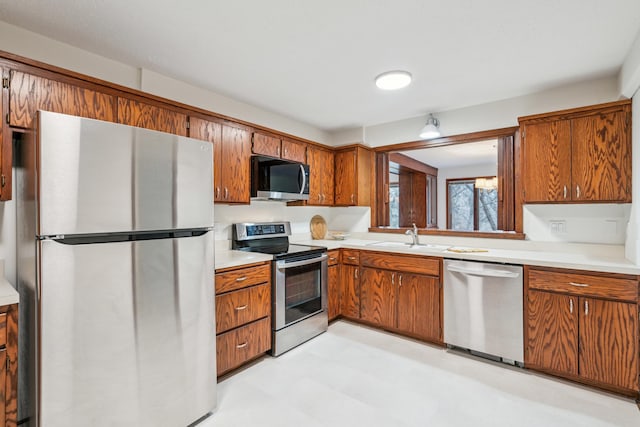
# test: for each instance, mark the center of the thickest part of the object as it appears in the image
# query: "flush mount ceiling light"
(430, 130)
(392, 80)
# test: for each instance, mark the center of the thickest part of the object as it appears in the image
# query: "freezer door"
(127, 333)
(99, 177)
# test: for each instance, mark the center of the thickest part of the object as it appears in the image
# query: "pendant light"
(431, 129)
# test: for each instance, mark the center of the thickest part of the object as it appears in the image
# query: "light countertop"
(578, 261)
(8, 295)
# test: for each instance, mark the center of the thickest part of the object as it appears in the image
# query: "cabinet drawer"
(3, 330)
(242, 277)
(351, 257)
(584, 284)
(402, 263)
(334, 257)
(242, 306)
(236, 347)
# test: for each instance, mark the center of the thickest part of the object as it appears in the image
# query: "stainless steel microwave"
(278, 179)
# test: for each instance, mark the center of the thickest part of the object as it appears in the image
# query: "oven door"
(300, 289)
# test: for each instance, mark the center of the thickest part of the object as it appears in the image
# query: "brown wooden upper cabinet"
(231, 158)
(580, 155)
(273, 146)
(233, 162)
(137, 113)
(354, 176)
(321, 176)
(5, 149)
(29, 93)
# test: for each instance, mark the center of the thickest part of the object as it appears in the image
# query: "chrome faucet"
(414, 234)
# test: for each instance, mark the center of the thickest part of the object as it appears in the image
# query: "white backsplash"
(578, 223)
(350, 219)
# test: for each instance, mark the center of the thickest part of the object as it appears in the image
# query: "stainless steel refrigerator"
(116, 271)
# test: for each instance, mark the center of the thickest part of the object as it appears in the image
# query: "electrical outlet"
(558, 226)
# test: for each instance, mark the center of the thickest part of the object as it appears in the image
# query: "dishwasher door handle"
(484, 273)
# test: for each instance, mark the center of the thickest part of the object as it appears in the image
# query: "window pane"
(394, 206)
(487, 209)
(461, 205)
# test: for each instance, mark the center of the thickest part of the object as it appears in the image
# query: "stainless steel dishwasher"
(483, 309)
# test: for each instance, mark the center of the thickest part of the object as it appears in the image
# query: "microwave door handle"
(304, 179)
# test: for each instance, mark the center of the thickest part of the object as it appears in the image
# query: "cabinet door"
(29, 93)
(3, 388)
(345, 177)
(265, 145)
(212, 132)
(141, 114)
(333, 291)
(6, 152)
(350, 295)
(546, 161)
(378, 297)
(552, 326)
(419, 305)
(609, 342)
(236, 161)
(327, 169)
(314, 160)
(294, 151)
(601, 158)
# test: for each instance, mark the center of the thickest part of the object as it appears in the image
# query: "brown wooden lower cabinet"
(350, 291)
(243, 315)
(573, 334)
(378, 297)
(419, 306)
(9, 365)
(333, 285)
(240, 345)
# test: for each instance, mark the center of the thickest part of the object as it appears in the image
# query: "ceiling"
(316, 61)
(457, 155)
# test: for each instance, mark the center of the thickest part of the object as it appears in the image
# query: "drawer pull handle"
(241, 279)
(242, 307)
(332, 259)
(352, 258)
(579, 285)
(243, 345)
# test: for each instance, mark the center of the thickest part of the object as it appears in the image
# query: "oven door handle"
(281, 265)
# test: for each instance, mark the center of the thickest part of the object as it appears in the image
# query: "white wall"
(632, 244)
(487, 169)
(488, 116)
(351, 219)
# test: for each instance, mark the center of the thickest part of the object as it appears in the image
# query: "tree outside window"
(470, 207)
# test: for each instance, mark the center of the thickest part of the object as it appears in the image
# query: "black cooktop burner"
(278, 246)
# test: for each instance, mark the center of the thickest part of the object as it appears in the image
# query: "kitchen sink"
(419, 246)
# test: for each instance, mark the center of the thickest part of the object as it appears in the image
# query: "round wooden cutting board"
(318, 227)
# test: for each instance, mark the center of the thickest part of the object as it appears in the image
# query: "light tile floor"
(355, 376)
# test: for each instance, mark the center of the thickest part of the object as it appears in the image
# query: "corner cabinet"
(321, 176)
(231, 158)
(579, 155)
(354, 176)
(243, 315)
(583, 326)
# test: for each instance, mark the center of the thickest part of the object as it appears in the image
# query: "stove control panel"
(261, 230)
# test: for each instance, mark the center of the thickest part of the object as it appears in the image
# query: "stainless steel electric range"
(299, 282)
